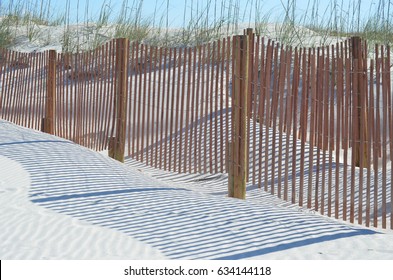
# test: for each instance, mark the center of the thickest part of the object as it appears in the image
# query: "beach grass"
(202, 21)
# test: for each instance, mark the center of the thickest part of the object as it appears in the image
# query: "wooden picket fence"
(318, 128)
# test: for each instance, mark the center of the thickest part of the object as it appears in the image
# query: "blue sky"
(176, 8)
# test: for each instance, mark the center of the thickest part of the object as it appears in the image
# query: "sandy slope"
(29, 231)
(62, 201)
(90, 35)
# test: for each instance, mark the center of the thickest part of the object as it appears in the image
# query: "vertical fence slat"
(390, 99)
(194, 114)
(376, 138)
(193, 111)
(171, 95)
(221, 115)
(215, 100)
(15, 103)
(227, 97)
(199, 111)
(16, 85)
(94, 89)
(295, 86)
(354, 133)
(24, 100)
(385, 93)
(370, 141)
(178, 92)
(87, 76)
(167, 109)
(312, 127)
(319, 186)
(255, 86)
(331, 135)
(205, 104)
(208, 100)
(346, 134)
(134, 95)
(188, 134)
(60, 106)
(303, 122)
(92, 96)
(9, 82)
(154, 112)
(3, 64)
(339, 112)
(102, 80)
(139, 135)
(285, 56)
(325, 128)
(286, 122)
(216, 97)
(18, 91)
(83, 96)
(144, 126)
(177, 108)
(261, 91)
(74, 102)
(273, 115)
(28, 116)
(159, 112)
(163, 111)
(266, 105)
(35, 93)
(363, 133)
(182, 112)
(31, 90)
(149, 95)
(86, 104)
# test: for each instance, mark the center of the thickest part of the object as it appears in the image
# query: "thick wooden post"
(238, 161)
(48, 122)
(359, 97)
(117, 145)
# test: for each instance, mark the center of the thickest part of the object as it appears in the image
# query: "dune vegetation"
(202, 21)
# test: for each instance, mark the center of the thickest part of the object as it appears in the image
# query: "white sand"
(29, 231)
(62, 201)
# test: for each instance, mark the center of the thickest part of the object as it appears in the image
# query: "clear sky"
(172, 11)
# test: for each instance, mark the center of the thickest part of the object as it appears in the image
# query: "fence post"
(238, 161)
(48, 122)
(117, 145)
(359, 98)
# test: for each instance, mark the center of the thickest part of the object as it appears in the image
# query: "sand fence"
(319, 120)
